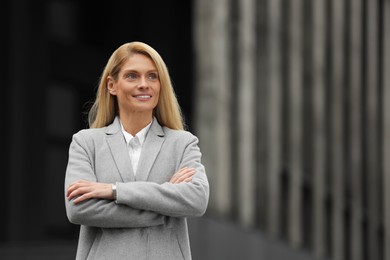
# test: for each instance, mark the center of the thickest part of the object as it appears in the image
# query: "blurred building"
(293, 116)
(290, 100)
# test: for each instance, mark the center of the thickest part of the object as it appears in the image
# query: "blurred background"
(290, 100)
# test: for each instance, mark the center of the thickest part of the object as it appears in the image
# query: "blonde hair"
(105, 107)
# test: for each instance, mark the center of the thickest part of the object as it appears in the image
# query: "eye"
(132, 76)
(153, 76)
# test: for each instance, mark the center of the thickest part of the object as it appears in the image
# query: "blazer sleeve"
(99, 212)
(176, 200)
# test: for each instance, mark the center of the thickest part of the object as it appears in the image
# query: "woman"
(135, 175)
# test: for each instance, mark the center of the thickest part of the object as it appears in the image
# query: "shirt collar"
(141, 135)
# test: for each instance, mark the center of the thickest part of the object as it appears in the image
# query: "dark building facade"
(290, 100)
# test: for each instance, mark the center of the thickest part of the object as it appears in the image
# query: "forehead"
(139, 62)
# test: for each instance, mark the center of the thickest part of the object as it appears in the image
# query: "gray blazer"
(148, 220)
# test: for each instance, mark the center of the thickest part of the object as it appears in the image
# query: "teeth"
(143, 96)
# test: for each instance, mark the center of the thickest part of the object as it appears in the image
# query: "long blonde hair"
(105, 107)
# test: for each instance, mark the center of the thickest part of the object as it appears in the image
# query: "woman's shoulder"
(90, 133)
(179, 134)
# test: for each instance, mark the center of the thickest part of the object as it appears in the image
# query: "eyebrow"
(135, 70)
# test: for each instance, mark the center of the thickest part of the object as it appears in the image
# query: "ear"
(111, 86)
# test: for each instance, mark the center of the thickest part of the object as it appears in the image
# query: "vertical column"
(386, 125)
(246, 111)
(371, 127)
(213, 97)
(274, 117)
(355, 136)
(295, 128)
(337, 138)
(319, 136)
(261, 107)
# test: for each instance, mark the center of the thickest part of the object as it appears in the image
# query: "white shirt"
(134, 144)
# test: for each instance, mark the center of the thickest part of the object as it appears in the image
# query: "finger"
(179, 173)
(92, 190)
(84, 193)
(184, 176)
(71, 189)
(73, 194)
(79, 191)
(188, 179)
(81, 198)
(79, 182)
(75, 185)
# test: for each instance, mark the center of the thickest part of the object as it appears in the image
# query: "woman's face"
(138, 85)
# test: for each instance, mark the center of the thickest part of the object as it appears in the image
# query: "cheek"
(123, 96)
(125, 91)
(157, 92)
(158, 87)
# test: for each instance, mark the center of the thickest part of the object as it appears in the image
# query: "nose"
(143, 83)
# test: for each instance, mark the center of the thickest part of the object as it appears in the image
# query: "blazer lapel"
(119, 151)
(151, 147)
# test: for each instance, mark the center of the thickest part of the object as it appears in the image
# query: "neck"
(135, 122)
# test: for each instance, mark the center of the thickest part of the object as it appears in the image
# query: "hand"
(183, 175)
(88, 190)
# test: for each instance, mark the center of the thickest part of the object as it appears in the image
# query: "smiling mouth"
(143, 97)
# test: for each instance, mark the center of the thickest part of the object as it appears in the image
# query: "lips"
(143, 96)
